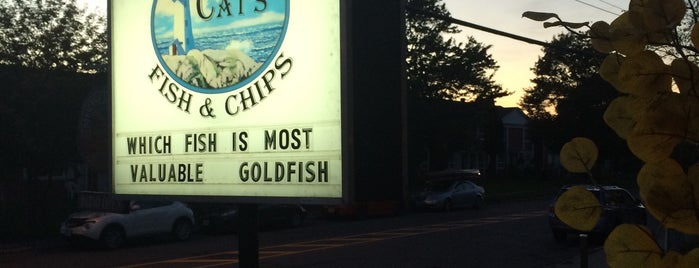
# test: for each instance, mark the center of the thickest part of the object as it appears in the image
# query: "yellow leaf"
(657, 17)
(622, 112)
(686, 75)
(652, 147)
(668, 195)
(693, 178)
(672, 115)
(661, 124)
(601, 37)
(695, 35)
(671, 259)
(578, 208)
(539, 16)
(619, 118)
(579, 155)
(609, 70)
(667, 115)
(692, 114)
(670, 14)
(644, 74)
(674, 259)
(689, 260)
(625, 38)
(632, 246)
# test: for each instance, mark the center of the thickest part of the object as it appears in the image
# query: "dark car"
(618, 206)
(454, 174)
(448, 194)
(223, 218)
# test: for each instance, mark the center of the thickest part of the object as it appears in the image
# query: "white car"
(448, 194)
(129, 219)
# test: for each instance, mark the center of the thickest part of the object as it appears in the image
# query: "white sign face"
(226, 98)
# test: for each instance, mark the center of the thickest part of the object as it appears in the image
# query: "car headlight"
(229, 213)
(89, 223)
(431, 200)
(77, 222)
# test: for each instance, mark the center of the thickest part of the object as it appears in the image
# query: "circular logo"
(217, 46)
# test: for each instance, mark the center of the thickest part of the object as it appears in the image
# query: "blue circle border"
(234, 87)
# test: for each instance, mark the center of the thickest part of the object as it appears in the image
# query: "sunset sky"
(515, 58)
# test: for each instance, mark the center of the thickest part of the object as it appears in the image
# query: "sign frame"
(345, 131)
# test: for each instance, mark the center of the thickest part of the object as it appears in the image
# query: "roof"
(512, 116)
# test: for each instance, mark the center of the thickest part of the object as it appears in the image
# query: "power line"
(492, 31)
(613, 5)
(596, 7)
(478, 27)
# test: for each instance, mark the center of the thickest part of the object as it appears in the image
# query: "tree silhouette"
(52, 35)
(440, 67)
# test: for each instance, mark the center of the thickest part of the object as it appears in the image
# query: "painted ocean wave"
(263, 40)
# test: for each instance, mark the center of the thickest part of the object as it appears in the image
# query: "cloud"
(168, 7)
(268, 17)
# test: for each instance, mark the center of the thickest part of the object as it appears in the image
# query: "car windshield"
(618, 197)
(596, 193)
(438, 186)
(612, 197)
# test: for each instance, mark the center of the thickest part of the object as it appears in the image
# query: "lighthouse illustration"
(229, 53)
(183, 39)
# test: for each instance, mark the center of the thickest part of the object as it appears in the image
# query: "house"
(518, 149)
(466, 135)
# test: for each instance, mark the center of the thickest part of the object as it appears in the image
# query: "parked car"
(223, 218)
(618, 206)
(454, 174)
(449, 194)
(112, 222)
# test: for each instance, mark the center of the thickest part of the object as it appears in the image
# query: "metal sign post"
(248, 236)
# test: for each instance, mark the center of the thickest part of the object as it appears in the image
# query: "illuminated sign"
(226, 98)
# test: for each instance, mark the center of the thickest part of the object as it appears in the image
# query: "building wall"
(518, 149)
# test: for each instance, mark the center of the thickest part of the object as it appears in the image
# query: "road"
(505, 234)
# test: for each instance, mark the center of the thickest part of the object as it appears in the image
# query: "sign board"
(226, 98)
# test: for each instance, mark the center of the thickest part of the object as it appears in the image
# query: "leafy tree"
(440, 67)
(569, 98)
(559, 73)
(48, 47)
(652, 63)
(52, 35)
(47, 51)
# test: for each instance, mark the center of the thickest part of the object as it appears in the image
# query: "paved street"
(508, 234)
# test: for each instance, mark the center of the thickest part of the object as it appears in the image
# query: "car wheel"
(112, 237)
(182, 229)
(448, 206)
(478, 203)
